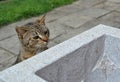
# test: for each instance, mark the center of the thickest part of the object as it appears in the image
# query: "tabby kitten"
(33, 38)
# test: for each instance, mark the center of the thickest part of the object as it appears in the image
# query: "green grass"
(14, 10)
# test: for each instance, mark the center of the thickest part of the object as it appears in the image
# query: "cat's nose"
(45, 39)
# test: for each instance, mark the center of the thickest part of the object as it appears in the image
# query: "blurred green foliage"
(14, 10)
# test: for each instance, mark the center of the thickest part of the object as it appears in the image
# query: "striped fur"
(33, 38)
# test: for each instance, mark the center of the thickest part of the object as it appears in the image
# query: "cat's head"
(34, 35)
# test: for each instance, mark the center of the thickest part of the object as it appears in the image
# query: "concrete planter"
(93, 56)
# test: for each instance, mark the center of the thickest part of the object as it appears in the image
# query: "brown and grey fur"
(33, 37)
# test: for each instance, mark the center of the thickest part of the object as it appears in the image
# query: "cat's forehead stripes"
(33, 25)
(29, 24)
(36, 29)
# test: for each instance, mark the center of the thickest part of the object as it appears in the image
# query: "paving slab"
(11, 44)
(108, 6)
(4, 54)
(6, 32)
(66, 36)
(54, 15)
(113, 16)
(51, 44)
(94, 12)
(83, 17)
(115, 1)
(110, 23)
(74, 20)
(63, 11)
(112, 19)
(88, 3)
(69, 9)
(118, 9)
(10, 62)
(6, 59)
(88, 25)
(56, 29)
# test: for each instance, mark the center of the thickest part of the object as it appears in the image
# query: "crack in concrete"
(8, 51)
(7, 37)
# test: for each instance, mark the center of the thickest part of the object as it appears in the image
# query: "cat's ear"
(42, 20)
(21, 31)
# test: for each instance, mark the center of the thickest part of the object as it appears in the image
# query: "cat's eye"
(36, 37)
(45, 32)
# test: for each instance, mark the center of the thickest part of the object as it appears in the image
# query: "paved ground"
(64, 23)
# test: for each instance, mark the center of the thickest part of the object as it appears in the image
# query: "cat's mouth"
(41, 44)
(45, 40)
(39, 48)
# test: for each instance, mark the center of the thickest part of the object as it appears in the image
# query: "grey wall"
(76, 65)
(108, 68)
(112, 49)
